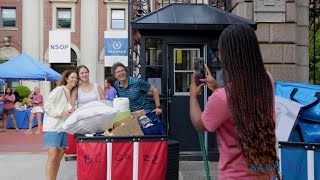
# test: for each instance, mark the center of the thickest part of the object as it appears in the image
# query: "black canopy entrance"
(171, 38)
(189, 17)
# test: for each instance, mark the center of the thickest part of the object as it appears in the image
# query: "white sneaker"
(28, 132)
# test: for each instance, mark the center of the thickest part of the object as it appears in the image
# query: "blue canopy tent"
(24, 67)
(2, 81)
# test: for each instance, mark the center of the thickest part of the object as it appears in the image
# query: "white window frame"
(67, 10)
(117, 5)
(124, 19)
(55, 6)
(1, 19)
(182, 71)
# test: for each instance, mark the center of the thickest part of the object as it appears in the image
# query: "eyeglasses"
(120, 71)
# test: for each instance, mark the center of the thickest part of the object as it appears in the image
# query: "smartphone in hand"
(199, 69)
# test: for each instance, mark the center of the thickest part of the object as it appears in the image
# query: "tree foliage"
(23, 91)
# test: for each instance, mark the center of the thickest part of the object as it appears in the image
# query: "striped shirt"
(136, 92)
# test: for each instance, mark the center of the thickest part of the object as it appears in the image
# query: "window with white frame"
(8, 17)
(183, 69)
(117, 19)
(64, 18)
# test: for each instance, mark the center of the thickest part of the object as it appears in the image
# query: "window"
(154, 67)
(117, 19)
(64, 18)
(8, 17)
(183, 69)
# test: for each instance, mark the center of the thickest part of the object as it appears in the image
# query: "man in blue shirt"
(135, 89)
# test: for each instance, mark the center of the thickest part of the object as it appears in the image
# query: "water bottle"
(25, 107)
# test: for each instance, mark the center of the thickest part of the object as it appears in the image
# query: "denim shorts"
(55, 139)
(9, 111)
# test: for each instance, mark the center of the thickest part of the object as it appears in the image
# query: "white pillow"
(92, 117)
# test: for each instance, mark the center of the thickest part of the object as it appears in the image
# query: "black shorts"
(9, 111)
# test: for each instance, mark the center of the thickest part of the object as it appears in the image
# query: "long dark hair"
(5, 92)
(250, 96)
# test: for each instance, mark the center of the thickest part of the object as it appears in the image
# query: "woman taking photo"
(57, 108)
(8, 109)
(242, 112)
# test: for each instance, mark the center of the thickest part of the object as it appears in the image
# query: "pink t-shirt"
(9, 104)
(217, 117)
(38, 97)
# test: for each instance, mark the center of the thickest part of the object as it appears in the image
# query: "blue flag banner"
(115, 47)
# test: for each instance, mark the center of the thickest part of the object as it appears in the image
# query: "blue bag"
(308, 127)
(151, 124)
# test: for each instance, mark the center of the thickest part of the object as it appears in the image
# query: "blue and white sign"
(59, 47)
(116, 47)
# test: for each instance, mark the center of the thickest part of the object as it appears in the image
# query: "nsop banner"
(116, 47)
(59, 47)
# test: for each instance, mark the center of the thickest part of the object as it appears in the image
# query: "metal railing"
(314, 26)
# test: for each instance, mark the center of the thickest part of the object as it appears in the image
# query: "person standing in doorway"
(56, 109)
(36, 101)
(243, 112)
(8, 109)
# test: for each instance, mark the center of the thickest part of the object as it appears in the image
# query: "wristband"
(159, 107)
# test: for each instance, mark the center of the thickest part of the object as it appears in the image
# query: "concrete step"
(194, 170)
(196, 175)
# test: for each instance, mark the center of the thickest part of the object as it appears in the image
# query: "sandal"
(37, 132)
(28, 132)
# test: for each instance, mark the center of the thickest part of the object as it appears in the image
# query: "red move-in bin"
(72, 145)
(122, 158)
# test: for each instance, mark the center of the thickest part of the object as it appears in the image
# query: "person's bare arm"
(101, 93)
(73, 97)
(195, 110)
(156, 98)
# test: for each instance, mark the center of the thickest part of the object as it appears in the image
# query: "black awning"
(189, 17)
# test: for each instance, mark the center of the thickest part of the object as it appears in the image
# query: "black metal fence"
(314, 26)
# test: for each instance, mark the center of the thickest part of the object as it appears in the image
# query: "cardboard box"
(127, 127)
(137, 114)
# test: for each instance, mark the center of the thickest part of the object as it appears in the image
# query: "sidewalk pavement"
(32, 166)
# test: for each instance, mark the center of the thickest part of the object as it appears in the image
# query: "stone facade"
(283, 34)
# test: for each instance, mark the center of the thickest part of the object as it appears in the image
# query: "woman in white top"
(57, 108)
(86, 91)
